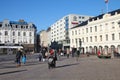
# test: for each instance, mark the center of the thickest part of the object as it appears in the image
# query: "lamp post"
(48, 47)
(80, 44)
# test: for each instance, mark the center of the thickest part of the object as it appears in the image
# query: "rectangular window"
(90, 29)
(79, 17)
(106, 37)
(113, 36)
(72, 40)
(119, 24)
(13, 33)
(74, 18)
(100, 37)
(24, 33)
(30, 41)
(90, 39)
(76, 41)
(82, 39)
(30, 34)
(18, 33)
(83, 17)
(95, 28)
(119, 36)
(13, 40)
(86, 30)
(83, 31)
(80, 42)
(6, 33)
(79, 31)
(0, 33)
(75, 32)
(86, 39)
(95, 38)
(0, 25)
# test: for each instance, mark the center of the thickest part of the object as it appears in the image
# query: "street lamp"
(80, 44)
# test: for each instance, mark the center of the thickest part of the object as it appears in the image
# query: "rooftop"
(99, 17)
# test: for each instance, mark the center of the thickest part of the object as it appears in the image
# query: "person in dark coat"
(77, 54)
(40, 56)
(18, 57)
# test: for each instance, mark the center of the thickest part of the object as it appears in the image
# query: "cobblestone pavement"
(86, 68)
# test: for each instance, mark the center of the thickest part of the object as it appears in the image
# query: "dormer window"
(5, 25)
(21, 26)
(16, 26)
(27, 27)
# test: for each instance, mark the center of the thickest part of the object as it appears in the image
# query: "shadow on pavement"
(12, 72)
(66, 65)
(13, 65)
(33, 63)
(3, 67)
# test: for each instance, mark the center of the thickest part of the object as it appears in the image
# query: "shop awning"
(11, 47)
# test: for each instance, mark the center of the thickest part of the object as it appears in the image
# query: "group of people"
(20, 56)
(44, 53)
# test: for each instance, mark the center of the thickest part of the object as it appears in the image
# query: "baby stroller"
(51, 62)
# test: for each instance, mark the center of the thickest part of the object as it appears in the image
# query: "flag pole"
(106, 2)
(107, 7)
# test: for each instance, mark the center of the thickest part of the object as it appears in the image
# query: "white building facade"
(98, 33)
(17, 34)
(60, 29)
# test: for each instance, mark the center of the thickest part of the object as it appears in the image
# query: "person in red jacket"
(51, 52)
(98, 53)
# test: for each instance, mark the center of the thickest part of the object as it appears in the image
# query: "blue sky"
(43, 13)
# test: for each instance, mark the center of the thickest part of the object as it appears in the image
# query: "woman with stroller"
(52, 59)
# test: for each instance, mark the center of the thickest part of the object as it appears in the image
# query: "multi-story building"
(60, 29)
(44, 38)
(17, 34)
(98, 33)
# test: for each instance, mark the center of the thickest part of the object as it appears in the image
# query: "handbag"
(24, 59)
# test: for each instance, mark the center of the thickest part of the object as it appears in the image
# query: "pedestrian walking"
(43, 54)
(18, 57)
(68, 53)
(40, 57)
(77, 55)
(73, 52)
